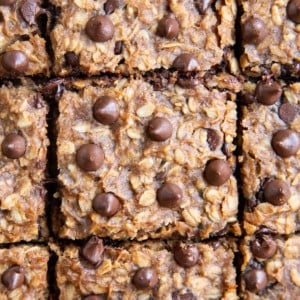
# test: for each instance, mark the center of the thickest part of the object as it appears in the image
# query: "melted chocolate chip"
(13, 146)
(186, 255)
(268, 92)
(203, 5)
(217, 172)
(247, 99)
(93, 251)
(7, 2)
(263, 247)
(276, 192)
(160, 129)
(72, 59)
(168, 27)
(254, 31)
(119, 45)
(188, 82)
(213, 139)
(13, 277)
(185, 296)
(288, 112)
(95, 297)
(29, 9)
(169, 195)
(293, 10)
(186, 62)
(255, 280)
(285, 143)
(100, 29)
(90, 157)
(15, 62)
(111, 5)
(106, 204)
(106, 110)
(145, 278)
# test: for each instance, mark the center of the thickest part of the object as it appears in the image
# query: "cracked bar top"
(154, 270)
(23, 152)
(137, 35)
(23, 271)
(140, 163)
(271, 152)
(22, 48)
(270, 267)
(271, 40)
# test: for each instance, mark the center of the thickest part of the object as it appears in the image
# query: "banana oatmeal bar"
(126, 36)
(271, 157)
(22, 47)
(23, 152)
(23, 271)
(137, 163)
(154, 270)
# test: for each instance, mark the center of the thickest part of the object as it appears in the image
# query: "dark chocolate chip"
(7, 2)
(160, 129)
(288, 112)
(106, 204)
(13, 146)
(285, 142)
(29, 9)
(186, 62)
(293, 10)
(254, 31)
(185, 296)
(93, 251)
(217, 172)
(168, 27)
(188, 82)
(72, 59)
(186, 255)
(213, 139)
(119, 45)
(255, 280)
(145, 278)
(263, 247)
(247, 99)
(13, 277)
(169, 195)
(15, 62)
(54, 88)
(276, 192)
(90, 157)
(95, 297)
(106, 110)
(100, 29)
(268, 92)
(203, 5)
(111, 5)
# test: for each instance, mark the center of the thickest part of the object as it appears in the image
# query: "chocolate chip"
(93, 251)
(217, 172)
(169, 195)
(203, 5)
(13, 277)
(7, 2)
(145, 278)
(54, 88)
(15, 61)
(254, 31)
(186, 62)
(106, 204)
(288, 112)
(268, 92)
(106, 110)
(90, 157)
(95, 297)
(185, 296)
(119, 45)
(255, 280)
(187, 82)
(293, 10)
(100, 29)
(186, 255)
(276, 192)
(29, 9)
(213, 139)
(247, 99)
(72, 59)
(263, 247)
(168, 27)
(111, 5)
(13, 146)
(285, 142)
(160, 129)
